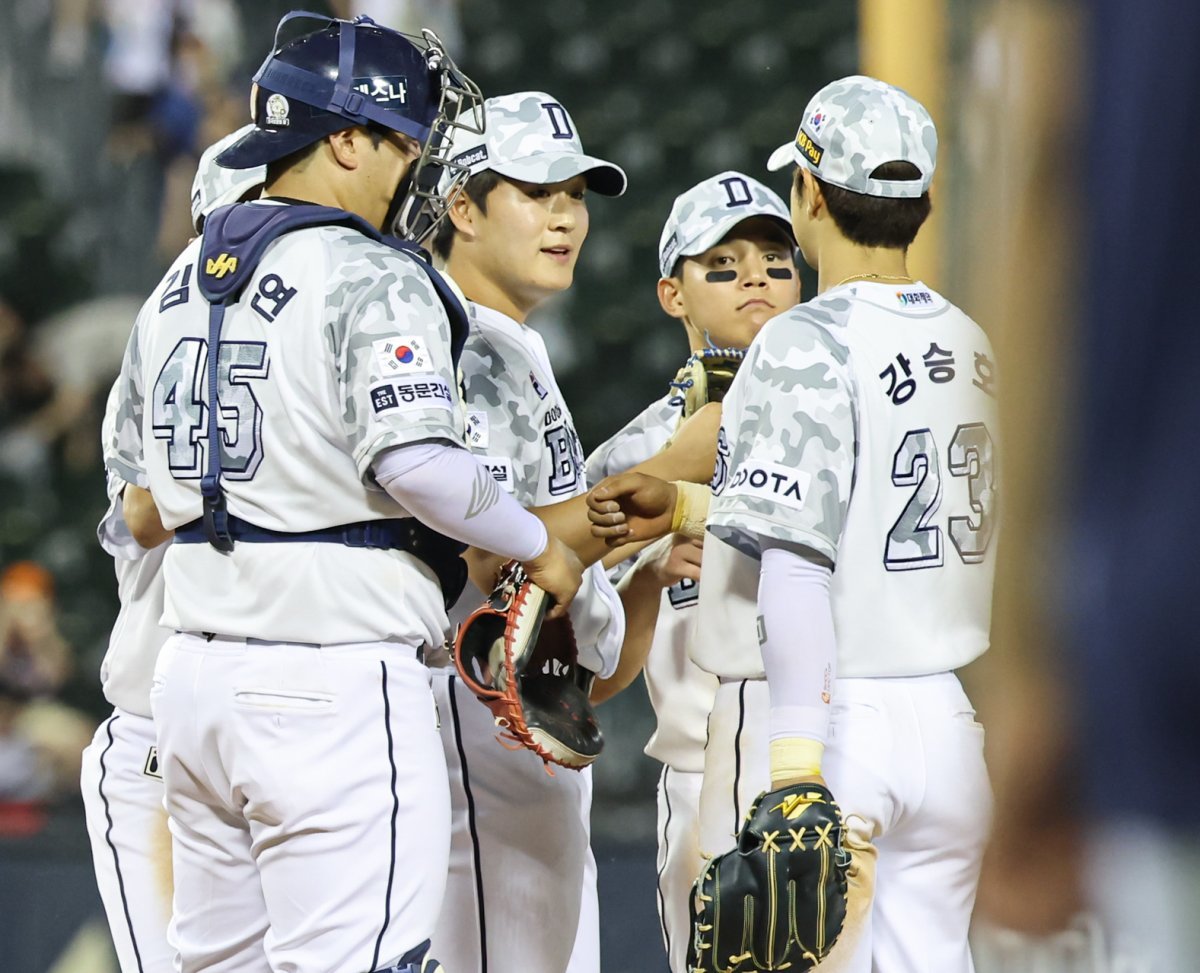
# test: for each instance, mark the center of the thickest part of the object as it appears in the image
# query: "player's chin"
(751, 319)
(555, 273)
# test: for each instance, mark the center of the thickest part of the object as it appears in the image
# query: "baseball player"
(520, 844)
(727, 265)
(121, 781)
(289, 398)
(850, 566)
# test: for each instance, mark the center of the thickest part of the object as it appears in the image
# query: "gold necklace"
(894, 278)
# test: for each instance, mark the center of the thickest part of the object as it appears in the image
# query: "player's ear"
(463, 214)
(814, 199)
(345, 147)
(670, 298)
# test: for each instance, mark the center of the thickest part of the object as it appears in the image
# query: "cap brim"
(602, 177)
(719, 231)
(783, 157)
(265, 145)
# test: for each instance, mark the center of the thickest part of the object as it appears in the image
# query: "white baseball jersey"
(680, 692)
(338, 349)
(128, 666)
(519, 427)
(860, 426)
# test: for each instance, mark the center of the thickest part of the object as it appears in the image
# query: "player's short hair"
(876, 221)
(477, 189)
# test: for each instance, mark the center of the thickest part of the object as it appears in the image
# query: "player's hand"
(559, 572)
(672, 559)
(692, 451)
(483, 567)
(631, 507)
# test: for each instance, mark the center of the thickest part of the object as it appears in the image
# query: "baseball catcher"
(525, 668)
(778, 900)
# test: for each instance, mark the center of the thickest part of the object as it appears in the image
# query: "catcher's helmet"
(354, 72)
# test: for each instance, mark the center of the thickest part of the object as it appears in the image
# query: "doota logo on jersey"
(397, 356)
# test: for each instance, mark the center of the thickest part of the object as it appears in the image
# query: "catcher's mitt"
(525, 669)
(705, 377)
(778, 900)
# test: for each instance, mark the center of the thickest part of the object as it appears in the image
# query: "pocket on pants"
(293, 700)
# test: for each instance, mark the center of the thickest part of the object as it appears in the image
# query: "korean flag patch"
(400, 356)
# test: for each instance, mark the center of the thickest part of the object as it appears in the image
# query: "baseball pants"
(905, 763)
(679, 859)
(308, 802)
(131, 846)
(519, 851)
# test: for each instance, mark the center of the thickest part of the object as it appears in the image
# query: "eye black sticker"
(779, 273)
(720, 276)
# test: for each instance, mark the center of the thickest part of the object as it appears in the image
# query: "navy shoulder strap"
(237, 236)
(234, 241)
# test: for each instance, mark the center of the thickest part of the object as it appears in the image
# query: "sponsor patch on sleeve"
(402, 356)
(501, 468)
(412, 393)
(770, 481)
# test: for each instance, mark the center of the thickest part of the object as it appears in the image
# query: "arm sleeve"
(799, 660)
(448, 489)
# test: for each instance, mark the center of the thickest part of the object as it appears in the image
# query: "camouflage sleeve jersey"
(519, 426)
(517, 422)
(861, 427)
(786, 447)
(337, 349)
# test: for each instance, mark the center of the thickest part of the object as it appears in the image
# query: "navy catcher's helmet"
(354, 72)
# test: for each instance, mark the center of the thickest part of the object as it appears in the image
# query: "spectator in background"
(40, 739)
(25, 388)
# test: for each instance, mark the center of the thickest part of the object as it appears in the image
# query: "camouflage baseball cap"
(529, 136)
(703, 216)
(215, 185)
(854, 125)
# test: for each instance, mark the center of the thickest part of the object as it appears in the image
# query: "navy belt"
(438, 552)
(380, 534)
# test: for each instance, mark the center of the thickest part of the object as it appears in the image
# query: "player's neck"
(487, 292)
(841, 260)
(322, 192)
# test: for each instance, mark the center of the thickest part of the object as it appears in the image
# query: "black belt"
(438, 552)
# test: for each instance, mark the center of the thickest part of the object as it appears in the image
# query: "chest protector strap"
(235, 239)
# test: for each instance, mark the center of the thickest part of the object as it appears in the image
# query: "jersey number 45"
(180, 413)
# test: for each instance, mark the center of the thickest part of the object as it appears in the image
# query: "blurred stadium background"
(104, 108)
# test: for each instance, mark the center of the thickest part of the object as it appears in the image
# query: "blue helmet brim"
(264, 145)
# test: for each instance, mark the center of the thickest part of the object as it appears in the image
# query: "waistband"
(402, 648)
(374, 534)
